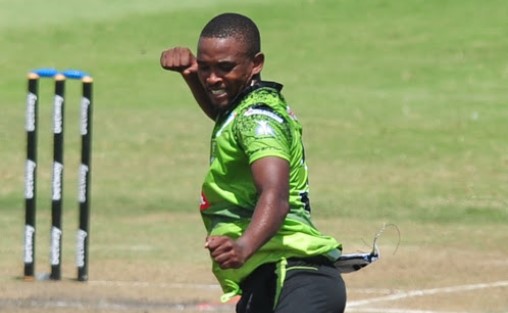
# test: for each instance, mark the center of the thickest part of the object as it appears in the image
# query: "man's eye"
(226, 67)
(203, 67)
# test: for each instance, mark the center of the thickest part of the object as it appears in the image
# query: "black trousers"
(311, 285)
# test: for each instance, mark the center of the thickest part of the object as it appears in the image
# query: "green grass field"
(403, 103)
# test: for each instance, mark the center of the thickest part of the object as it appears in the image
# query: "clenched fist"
(179, 59)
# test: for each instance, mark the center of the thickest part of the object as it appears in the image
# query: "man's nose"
(213, 78)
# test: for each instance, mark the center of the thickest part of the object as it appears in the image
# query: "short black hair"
(234, 25)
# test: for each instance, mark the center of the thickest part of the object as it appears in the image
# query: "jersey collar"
(247, 91)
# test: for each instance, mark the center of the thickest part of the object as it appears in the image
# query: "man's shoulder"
(263, 91)
(270, 91)
(263, 97)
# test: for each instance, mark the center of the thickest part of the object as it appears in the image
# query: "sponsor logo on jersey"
(203, 203)
(263, 129)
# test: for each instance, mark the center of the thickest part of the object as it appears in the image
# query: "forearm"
(200, 95)
(269, 214)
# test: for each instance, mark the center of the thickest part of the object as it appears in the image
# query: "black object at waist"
(314, 260)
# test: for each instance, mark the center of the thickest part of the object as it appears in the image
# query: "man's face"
(225, 68)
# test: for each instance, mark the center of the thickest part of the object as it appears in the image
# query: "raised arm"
(181, 60)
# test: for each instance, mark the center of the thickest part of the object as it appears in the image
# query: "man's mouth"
(219, 96)
(217, 92)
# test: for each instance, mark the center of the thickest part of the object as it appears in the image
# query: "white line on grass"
(427, 292)
(352, 306)
(386, 310)
(378, 291)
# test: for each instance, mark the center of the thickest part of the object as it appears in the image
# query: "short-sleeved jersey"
(260, 124)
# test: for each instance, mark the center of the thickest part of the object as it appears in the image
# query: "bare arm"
(271, 177)
(182, 60)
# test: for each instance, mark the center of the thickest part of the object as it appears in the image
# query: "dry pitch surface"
(436, 269)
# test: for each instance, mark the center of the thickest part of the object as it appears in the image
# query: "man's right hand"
(179, 59)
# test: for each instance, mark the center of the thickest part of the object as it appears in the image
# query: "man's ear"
(258, 61)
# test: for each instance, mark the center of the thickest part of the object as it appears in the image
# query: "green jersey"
(260, 124)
